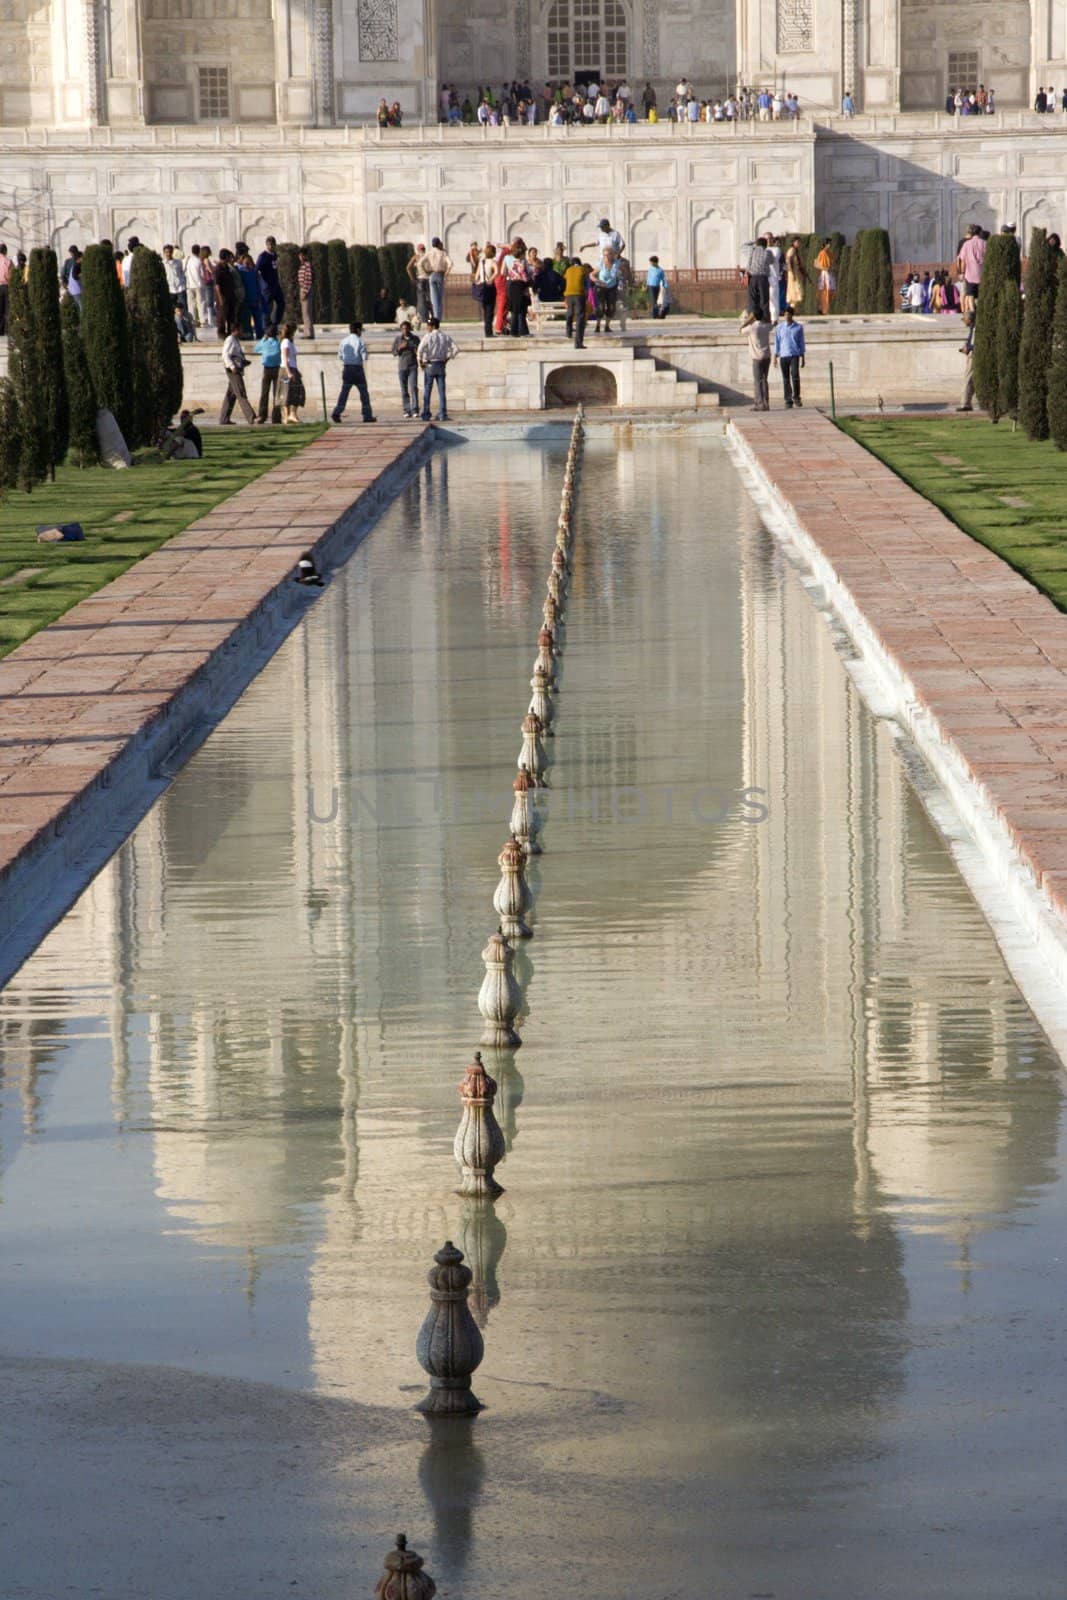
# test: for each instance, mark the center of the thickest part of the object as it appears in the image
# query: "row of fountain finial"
(450, 1345)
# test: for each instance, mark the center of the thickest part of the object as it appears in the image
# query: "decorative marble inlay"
(796, 27)
(522, 39)
(651, 19)
(379, 30)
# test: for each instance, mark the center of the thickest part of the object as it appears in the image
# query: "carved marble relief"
(651, 21)
(379, 30)
(796, 27)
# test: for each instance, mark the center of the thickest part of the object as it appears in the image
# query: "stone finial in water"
(525, 819)
(556, 587)
(546, 656)
(449, 1346)
(403, 1578)
(559, 565)
(541, 703)
(532, 754)
(553, 621)
(499, 997)
(512, 899)
(479, 1144)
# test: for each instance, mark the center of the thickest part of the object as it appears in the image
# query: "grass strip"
(126, 515)
(1006, 491)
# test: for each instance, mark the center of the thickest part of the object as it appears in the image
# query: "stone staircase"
(660, 386)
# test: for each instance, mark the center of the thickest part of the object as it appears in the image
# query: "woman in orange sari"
(824, 266)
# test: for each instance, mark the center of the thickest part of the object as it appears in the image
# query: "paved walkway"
(982, 651)
(75, 695)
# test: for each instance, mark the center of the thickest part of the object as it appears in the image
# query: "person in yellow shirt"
(575, 295)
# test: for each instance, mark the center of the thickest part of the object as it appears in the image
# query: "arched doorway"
(594, 386)
(586, 38)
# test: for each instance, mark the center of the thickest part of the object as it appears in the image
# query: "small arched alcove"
(594, 386)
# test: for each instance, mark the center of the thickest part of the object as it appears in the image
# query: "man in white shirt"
(175, 271)
(436, 350)
(602, 107)
(127, 260)
(234, 362)
(608, 238)
(352, 354)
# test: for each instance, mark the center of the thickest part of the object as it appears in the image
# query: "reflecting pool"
(773, 1300)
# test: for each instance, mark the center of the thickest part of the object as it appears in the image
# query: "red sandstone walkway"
(986, 654)
(75, 694)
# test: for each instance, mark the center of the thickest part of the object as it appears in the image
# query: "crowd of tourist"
(971, 102)
(598, 101)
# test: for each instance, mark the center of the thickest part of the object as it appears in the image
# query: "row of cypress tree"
(865, 275)
(120, 352)
(1020, 352)
(348, 278)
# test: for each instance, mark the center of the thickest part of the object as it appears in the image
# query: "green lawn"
(1005, 491)
(126, 515)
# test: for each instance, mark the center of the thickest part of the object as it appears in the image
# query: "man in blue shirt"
(352, 354)
(269, 350)
(789, 355)
(658, 288)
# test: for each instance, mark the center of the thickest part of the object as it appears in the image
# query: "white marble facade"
(67, 63)
(184, 120)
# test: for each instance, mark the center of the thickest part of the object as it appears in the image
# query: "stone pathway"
(74, 697)
(983, 653)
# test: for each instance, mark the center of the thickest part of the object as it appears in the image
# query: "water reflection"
(781, 1104)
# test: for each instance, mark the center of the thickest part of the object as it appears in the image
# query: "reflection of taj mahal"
(129, 62)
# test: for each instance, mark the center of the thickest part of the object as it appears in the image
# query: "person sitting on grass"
(184, 442)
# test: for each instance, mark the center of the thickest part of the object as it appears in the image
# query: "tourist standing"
(291, 385)
(608, 238)
(175, 271)
(196, 287)
(967, 351)
(775, 283)
(267, 267)
(234, 362)
(127, 260)
(517, 276)
(436, 350)
(848, 105)
(758, 333)
(225, 294)
(824, 266)
(659, 290)
(269, 351)
(789, 355)
(606, 285)
(406, 351)
(969, 261)
(352, 354)
(421, 282)
(575, 297)
(438, 263)
(485, 286)
(755, 266)
(5, 286)
(305, 278)
(796, 275)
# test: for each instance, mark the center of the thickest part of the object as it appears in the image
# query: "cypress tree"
(1009, 339)
(159, 367)
(10, 437)
(366, 275)
(42, 284)
(880, 272)
(387, 272)
(342, 289)
(400, 255)
(1000, 268)
(844, 277)
(1034, 353)
(84, 448)
(23, 365)
(106, 335)
(1057, 377)
(320, 279)
(810, 246)
(288, 267)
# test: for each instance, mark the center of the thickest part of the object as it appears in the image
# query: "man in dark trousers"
(789, 355)
(755, 267)
(352, 354)
(267, 267)
(225, 293)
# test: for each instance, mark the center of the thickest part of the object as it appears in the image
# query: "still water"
(773, 1300)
